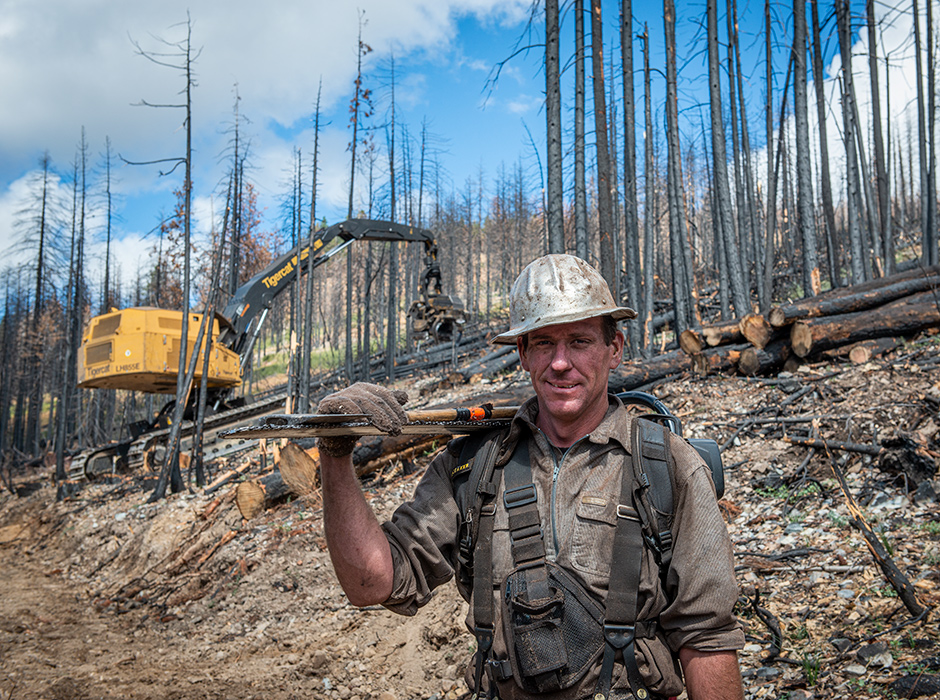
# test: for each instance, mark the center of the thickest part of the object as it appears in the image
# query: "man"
(577, 437)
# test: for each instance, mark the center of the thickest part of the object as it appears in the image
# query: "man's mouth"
(564, 387)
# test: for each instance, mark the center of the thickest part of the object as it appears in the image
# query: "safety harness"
(554, 629)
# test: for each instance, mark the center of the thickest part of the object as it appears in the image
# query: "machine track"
(131, 455)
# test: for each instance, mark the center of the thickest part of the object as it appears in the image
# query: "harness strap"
(620, 623)
(525, 526)
(483, 596)
(483, 614)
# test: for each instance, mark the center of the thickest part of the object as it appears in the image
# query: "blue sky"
(69, 64)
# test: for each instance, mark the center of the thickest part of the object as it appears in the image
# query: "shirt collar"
(614, 426)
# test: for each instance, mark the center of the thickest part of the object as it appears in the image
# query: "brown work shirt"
(578, 492)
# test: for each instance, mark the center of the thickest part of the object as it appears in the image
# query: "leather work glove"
(382, 408)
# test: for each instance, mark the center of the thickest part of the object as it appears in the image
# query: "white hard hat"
(557, 289)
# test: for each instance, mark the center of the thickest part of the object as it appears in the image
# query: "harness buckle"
(627, 513)
(619, 636)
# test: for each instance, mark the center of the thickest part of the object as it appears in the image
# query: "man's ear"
(520, 346)
(617, 350)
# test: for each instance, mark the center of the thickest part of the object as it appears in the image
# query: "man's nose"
(560, 358)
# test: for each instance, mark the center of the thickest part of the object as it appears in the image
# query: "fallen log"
(863, 351)
(253, 497)
(715, 360)
(828, 445)
(691, 342)
(891, 572)
(493, 364)
(722, 333)
(850, 302)
(819, 334)
(406, 455)
(479, 366)
(636, 373)
(757, 361)
(227, 476)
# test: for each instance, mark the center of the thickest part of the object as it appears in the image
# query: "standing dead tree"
(180, 57)
(725, 220)
(678, 226)
(555, 204)
(806, 220)
(609, 266)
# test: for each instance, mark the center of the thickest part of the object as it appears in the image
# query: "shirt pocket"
(592, 537)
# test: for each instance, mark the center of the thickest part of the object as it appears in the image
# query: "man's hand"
(383, 409)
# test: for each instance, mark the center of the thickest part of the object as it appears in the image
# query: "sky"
(74, 66)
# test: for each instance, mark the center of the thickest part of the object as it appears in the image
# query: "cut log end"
(249, 497)
(777, 317)
(801, 339)
(690, 342)
(299, 469)
(756, 330)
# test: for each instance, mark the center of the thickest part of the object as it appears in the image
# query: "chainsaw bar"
(363, 428)
(433, 422)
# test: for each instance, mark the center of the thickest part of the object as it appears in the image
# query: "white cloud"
(67, 65)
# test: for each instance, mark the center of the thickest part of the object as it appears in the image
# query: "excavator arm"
(251, 302)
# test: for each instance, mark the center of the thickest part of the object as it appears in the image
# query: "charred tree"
(770, 226)
(732, 257)
(853, 183)
(829, 216)
(609, 266)
(183, 60)
(927, 237)
(360, 99)
(582, 249)
(630, 207)
(678, 227)
(804, 189)
(555, 203)
(305, 398)
(646, 308)
(879, 160)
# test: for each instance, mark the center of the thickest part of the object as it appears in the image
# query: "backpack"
(648, 524)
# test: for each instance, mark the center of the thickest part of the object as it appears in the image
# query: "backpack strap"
(476, 482)
(483, 614)
(472, 481)
(655, 486)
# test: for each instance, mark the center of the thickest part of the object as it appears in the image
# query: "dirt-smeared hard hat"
(557, 289)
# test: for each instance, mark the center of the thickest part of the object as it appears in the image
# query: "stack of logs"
(860, 322)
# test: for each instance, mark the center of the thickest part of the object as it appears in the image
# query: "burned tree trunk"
(605, 208)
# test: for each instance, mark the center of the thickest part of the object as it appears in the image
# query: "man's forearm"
(358, 548)
(711, 675)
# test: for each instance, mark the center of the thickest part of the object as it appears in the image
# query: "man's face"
(569, 364)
